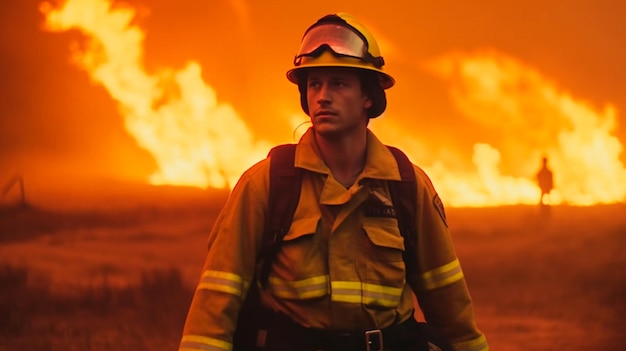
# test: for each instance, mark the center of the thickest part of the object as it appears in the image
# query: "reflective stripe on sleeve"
(478, 344)
(203, 343)
(368, 294)
(222, 281)
(300, 289)
(442, 276)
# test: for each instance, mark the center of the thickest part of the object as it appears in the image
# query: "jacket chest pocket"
(383, 241)
(299, 270)
(382, 259)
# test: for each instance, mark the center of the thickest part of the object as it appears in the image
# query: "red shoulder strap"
(404, 199)
(285, 181)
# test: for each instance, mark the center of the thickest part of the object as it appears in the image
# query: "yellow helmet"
(339, 40)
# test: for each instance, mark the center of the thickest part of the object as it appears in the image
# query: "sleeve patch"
(439, 206)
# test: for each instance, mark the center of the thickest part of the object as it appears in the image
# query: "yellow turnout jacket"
(341, 264)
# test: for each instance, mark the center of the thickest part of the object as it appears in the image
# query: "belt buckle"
(370, 340)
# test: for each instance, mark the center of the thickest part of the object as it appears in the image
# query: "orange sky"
(56, 122)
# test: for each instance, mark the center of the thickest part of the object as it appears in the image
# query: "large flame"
(199, 141)
(175, 115)
(535, 119)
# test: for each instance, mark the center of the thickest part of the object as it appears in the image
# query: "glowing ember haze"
(197, 140)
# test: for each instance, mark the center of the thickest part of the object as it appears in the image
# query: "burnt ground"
(121, 277)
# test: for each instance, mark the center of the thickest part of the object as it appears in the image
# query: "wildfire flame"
(175, 115)
(515, 101)
(197, 140)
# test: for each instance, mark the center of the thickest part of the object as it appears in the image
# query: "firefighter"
(545, 182)
(339, 280)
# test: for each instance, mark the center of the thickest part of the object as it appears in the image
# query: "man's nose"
(324, 94)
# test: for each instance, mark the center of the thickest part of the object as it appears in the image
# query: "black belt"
(284, 334)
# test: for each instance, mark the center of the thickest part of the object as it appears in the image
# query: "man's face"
(337, 104)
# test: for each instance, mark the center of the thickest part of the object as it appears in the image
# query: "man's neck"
(344, 156)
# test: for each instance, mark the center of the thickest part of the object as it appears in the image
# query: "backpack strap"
(285, 181)
(404, 199)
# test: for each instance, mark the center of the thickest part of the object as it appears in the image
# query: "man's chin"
(327, 131)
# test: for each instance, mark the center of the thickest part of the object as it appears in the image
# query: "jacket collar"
(379, 164)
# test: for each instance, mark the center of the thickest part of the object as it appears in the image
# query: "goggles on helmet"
(341, 39)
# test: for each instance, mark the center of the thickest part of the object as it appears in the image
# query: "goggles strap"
(378, 62)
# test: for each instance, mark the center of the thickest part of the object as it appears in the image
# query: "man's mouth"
(324, 113)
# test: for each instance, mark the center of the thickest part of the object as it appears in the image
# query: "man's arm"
(439, 283)
(234, 243)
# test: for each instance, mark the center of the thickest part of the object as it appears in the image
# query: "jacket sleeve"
(234, 243)
(438, 283)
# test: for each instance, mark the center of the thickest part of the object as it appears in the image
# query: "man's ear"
(368, 102)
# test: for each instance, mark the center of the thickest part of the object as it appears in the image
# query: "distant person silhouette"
(545, 181)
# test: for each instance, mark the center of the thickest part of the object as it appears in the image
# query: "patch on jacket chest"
(379, 210)
(377, 205)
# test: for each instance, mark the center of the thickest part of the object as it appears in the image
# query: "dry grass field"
(117, 272)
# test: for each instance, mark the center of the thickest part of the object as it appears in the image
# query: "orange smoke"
(197, 140)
